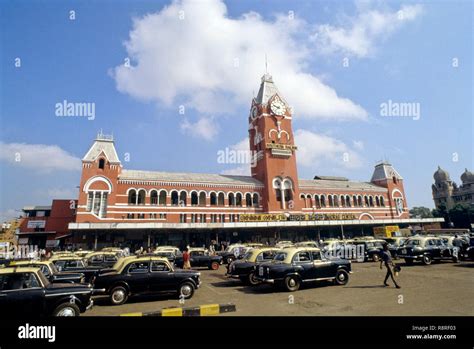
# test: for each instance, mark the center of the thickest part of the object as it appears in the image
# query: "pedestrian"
(186, 261)
(457, 246)
(387, 260)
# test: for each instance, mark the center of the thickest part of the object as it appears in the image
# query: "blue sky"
(208, 56)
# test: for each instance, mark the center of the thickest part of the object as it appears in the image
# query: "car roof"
(10, 270)
(21, 263)
(109, 253)
(122, 262)
(197, 249)
(68, 257)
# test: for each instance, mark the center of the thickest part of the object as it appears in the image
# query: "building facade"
(116, 205)
(448, 194)
(46, 226)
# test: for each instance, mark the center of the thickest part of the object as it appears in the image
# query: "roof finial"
(266, 64)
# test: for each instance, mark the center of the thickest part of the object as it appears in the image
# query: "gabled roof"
(102, 146)
(187, 177)
(322, 184)
(384, 170)
(267, 90)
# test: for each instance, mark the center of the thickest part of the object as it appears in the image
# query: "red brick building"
(117, 205)
(46, 226)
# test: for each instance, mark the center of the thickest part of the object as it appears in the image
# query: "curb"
(202, 310)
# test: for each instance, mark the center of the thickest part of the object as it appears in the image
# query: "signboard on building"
(387, 231)
(36, 224)
(296, 217)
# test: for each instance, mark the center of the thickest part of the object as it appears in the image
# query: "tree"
(420, 212)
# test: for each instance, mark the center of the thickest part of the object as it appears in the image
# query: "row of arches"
(334, 200)
(193, 198)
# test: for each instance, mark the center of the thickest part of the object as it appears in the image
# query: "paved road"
(439, 289)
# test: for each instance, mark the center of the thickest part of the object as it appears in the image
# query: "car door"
(197, 259)
(109, 261)
(162, 278)
(302, 260)
(22, 294)
(322, 267)
(433, 248)
(137, 276)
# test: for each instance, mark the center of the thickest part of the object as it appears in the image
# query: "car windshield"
(248, 255)
(280, 256)
(412, 243)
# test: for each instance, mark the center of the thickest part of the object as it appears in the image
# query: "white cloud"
(359, 35)
(204, 128)
(316, 149)
(212, 63)
(40, 157)
(243, 170)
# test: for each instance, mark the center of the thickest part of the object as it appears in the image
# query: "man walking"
(387, 259)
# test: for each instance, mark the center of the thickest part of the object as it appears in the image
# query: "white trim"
(94, 179)
(366, 214)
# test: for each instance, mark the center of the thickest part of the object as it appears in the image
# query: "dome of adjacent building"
(441, 175)
(467, 177)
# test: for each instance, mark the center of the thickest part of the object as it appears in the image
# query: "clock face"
(254, 112)
(278, 107)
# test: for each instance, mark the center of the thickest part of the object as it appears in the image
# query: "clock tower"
(273, 147)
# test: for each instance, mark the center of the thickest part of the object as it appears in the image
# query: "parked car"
(82, 253)
(77, 265)
(138, 275)
(284, 244)
(232, 252)
(294, 266)
(51, 272)
(244, 269)
(394, 243)
(172, 249)
(25, 292)
(425, 249)
(372, 248)
(169, 255)
(307, 244)
(200, 257)
(102, 259)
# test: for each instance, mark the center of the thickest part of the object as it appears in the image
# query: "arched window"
(248, 200)
(317, 201)
(323, 201)
(377, 201)
(278, 187)
(162, 198)
(141, 197)
(331, 201)
(101, 163)
(174, 198)
(348, 201)
(343, 201)
(255, 200)
(310, 202)
(154, 197)
(183, 198)
(221, 199)
(354, 200)
(382, 201)
(194, 198)
(231, 199)
(366, 201)
(238, 200)
(395, 180)
(202, 199)
(213, 199)
(371, 201)
(132, 197)
(288, 189)
(336, 201)
(359, 201)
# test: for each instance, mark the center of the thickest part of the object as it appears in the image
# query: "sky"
(173, 82)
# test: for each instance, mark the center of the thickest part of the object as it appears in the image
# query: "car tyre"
(186, 290)
(214, 266)
(375, 257)
(292, 283)
(67, 309)
(251, 280)
(342, 277)
(427, 259)
(118, 295)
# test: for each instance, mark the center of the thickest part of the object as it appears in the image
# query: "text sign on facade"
(296, 217)
(36, 224)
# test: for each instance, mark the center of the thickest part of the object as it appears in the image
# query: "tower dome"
(467, 177)
(441, 175)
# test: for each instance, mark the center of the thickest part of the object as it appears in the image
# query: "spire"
(103, 144)
(267, 90)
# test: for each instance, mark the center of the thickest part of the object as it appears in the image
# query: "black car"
(51, 272)
(199, 258)
(372, 248)
(426, 249)
(139, 275)
(77, 265)
(294, 266)
(232, 252)
(394, 243)
(26, 292)
(244, 269)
